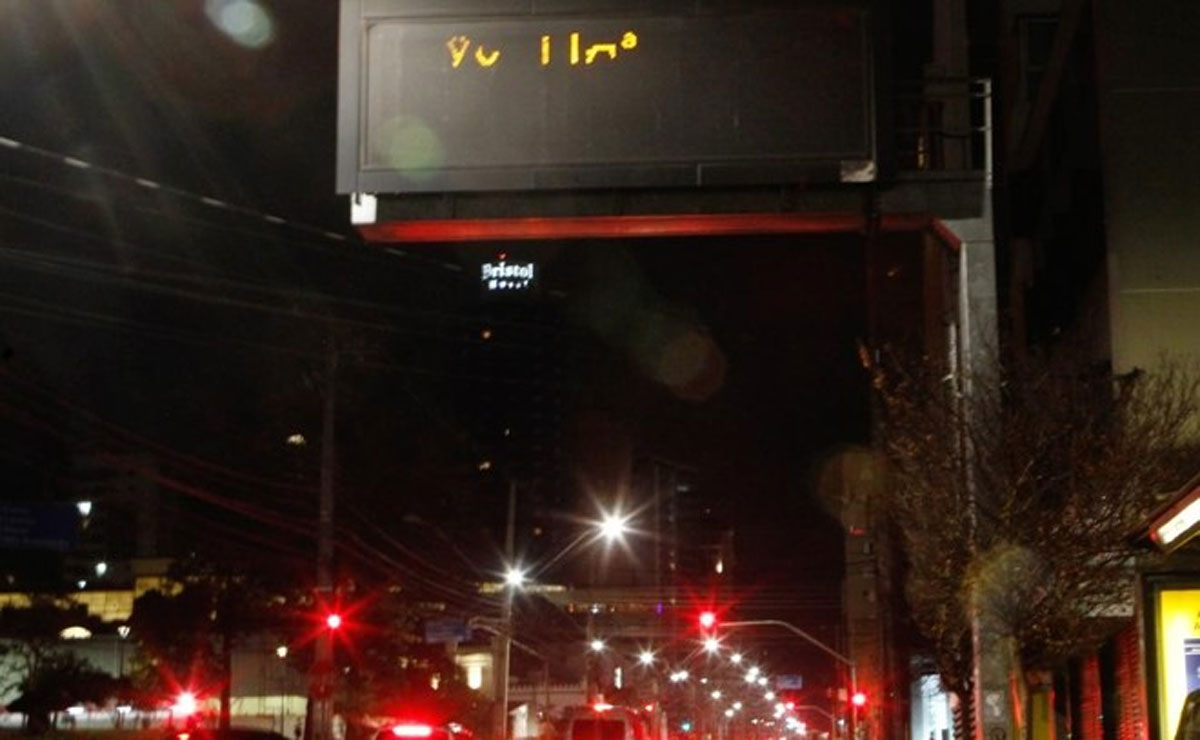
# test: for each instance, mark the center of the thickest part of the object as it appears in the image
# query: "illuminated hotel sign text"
(508, 276)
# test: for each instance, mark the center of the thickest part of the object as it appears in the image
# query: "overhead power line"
(65, 160)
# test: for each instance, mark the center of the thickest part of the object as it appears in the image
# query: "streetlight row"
(611, 527)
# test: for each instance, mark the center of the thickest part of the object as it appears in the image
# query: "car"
(233, 733)
(602, 721)
(420, 730)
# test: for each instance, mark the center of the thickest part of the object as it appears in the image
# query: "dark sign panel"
(558, 99)
(38, 526)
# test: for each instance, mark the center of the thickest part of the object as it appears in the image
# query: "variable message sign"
(549, 95)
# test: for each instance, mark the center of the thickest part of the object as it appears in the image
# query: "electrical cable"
(141, 182)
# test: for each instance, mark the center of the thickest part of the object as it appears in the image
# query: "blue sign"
(789, 682)
(446, 630)
(38, 526)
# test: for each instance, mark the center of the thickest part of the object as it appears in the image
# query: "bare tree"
(1022, 491)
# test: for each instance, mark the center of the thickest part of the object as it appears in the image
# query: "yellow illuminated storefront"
(1176, 653)
(1172, 601)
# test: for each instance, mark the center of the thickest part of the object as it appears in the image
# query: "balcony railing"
(944, 125)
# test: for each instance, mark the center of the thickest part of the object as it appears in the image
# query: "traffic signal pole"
(848, 662)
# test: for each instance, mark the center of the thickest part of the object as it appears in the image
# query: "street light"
(712, 645)
(596, 645)
(646, 658)
(122, 635)
(614, 526)
(281, 652)
(514, 577)
(611, 527)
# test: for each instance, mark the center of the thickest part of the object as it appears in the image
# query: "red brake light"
(333, 621)
(412, 730)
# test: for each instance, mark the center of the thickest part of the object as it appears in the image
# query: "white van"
(604, 722)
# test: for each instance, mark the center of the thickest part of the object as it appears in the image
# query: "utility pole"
(503, 641)
(321, 687)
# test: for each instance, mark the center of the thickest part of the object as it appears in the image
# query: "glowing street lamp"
(646, 658)
(735, 658)
(614, 527)
(514, 577)
(712, 645)
(596, 645)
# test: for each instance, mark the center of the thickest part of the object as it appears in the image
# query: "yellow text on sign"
(465, 50)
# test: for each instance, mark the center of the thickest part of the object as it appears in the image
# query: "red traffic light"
(708, 620)
(859, 699)
(333, 621)
(185, 704)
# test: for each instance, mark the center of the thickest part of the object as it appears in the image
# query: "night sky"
(202, 330)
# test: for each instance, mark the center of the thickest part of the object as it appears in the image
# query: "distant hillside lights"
(508, 276)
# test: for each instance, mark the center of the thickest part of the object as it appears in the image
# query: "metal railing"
(944, 125)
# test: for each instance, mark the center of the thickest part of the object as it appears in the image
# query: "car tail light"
(412, 730)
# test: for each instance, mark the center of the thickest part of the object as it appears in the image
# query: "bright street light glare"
(711, 645)
(514, 577)
(735, 658)
(613, 527)
(596, 645)
(646, 658)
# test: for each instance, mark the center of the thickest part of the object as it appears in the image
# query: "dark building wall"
(1150, 115)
